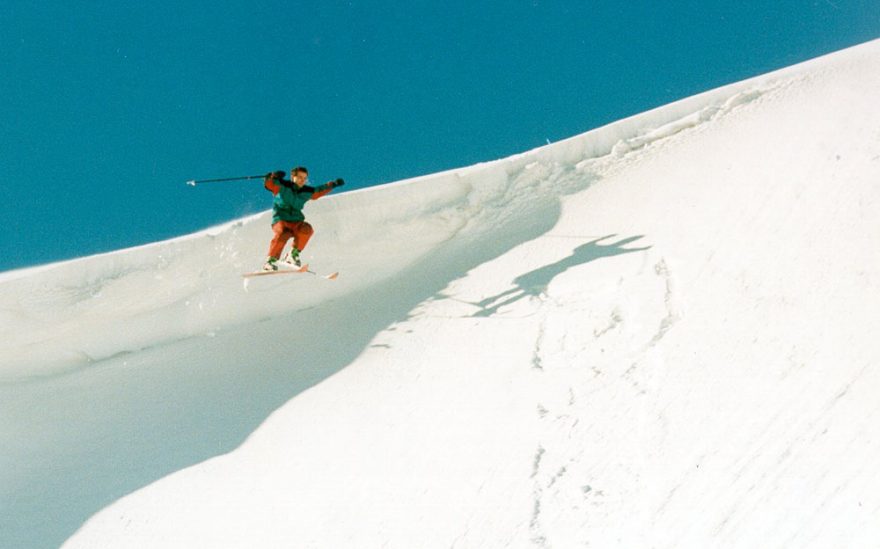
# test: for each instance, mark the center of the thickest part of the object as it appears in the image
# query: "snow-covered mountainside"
(661, 333)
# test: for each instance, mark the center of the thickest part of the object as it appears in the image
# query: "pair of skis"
(297, 270)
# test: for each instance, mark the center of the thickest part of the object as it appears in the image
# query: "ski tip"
(332, 276)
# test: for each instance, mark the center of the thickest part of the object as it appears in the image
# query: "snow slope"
(661, 333)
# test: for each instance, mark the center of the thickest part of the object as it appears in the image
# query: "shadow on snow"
(535, 283)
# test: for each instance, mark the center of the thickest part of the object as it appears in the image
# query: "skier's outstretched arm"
(271, 183)
(324, 189)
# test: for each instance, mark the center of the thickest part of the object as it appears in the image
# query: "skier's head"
(299, 175)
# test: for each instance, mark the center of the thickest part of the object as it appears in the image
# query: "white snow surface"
(661, 333)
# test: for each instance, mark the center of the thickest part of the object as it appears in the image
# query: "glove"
(279, 174)
(338, 183)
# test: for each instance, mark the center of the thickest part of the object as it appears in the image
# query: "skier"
(288, 220)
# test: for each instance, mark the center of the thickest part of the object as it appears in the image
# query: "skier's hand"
(338, 183)
(279, 174)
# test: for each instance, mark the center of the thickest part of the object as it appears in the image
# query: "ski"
(303, 269)
(331, 276)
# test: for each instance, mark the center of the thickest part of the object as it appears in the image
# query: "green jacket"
(290, 200)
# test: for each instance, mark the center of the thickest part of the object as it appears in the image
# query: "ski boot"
(293, 259)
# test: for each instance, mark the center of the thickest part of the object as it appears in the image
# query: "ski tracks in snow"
(594, 352)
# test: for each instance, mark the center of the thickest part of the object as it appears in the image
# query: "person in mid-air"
(288, 220)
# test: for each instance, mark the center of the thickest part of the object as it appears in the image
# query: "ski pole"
(194, 182)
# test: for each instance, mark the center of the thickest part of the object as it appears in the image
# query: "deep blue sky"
(107, 108)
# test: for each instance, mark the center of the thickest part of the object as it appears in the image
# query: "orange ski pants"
(283, 231)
